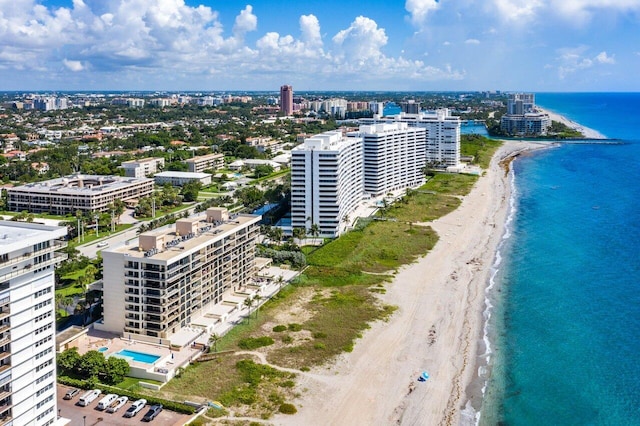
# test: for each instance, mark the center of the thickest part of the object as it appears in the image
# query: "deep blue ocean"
(565, 330)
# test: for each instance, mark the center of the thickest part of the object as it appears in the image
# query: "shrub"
(287, 339)
(279, 328)
(288, 384)
(287, 408)
(250, 343)
(319, 345)
(295, 327)
(319, 335)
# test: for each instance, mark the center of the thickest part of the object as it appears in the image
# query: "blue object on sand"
(425, 376)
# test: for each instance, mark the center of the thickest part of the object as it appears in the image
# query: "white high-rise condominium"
(442, 136)
(326, 181)
(27, 322)
(394, 156)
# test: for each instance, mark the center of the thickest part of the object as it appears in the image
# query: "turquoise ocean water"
(565, 327)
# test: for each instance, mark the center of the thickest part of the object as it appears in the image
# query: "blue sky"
(212, 45)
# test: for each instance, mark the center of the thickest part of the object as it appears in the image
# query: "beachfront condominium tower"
(286, 100)
(326, 181)
(394, 156)
(171, 278)
(27, 322)
(521, 103)
(442, 137)
(522, 118)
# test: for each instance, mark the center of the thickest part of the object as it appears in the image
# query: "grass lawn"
(481, 148)
(132, 383)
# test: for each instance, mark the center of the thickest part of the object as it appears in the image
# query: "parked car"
(106, 401)
(71, 393)
(117, 404)
(135, 408)
(152, 413)
(88, 397)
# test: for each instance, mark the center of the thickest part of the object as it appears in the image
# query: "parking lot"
(90, 415)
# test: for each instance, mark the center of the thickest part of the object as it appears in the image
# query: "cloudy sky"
(537, 45)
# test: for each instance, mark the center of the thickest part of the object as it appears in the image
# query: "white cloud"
(74, 66)
(472, 41)
(575, 59)
(156, 41)
(517, 11)
(246, 22)
(362, 40)
(420, 9)
(603, 58)
(310, 29)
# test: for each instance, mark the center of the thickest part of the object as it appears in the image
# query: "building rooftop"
(168, 242)
(81, 184)
(186, 175)
(14, 235)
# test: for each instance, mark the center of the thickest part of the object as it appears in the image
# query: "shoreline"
(438, 327)
(586, 131)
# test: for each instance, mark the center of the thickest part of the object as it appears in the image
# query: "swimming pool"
(103, 349)
(138, 356)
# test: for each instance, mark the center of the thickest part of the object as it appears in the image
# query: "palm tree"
(314, 230)
(248, 302)
(213, 340)
(256, 299)
(280, 281)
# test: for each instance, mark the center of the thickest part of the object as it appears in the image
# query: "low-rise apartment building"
(67, 195)
(182, 178)
(143, 167)
(28, 322)
(205, 162)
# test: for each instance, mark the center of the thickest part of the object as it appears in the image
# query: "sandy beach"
(587, 132)
(436, 328)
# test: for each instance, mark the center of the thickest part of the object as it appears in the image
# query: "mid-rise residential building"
(27, 322)
(326, 181)
(67, 195)
(205, 162)
(442, 134)
(410, 107)
(394, 156)
(143, 167)
(522, 117)
(286, 100)
(181, 178)
(170, 277)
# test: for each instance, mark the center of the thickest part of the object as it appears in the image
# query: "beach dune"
(437, 326)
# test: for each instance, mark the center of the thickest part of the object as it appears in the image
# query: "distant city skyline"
(416, 45)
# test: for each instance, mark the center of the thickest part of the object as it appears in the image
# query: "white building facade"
(27, 322)
(326, 181)
(394, 156)
(442, 137)
(143, 167)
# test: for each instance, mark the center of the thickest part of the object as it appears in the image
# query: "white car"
(106, 401)
(117, 404)
(102, 244)
(88, 397)
(135, 408)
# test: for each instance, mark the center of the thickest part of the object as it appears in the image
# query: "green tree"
(314, 230)
(262, 170)
(248, 303)
(115, 369)
(256, 300)
(91, 364)
(299, 233)
(68, 360)
(190, 191)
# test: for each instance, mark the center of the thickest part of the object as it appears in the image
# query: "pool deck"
(169, 358)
